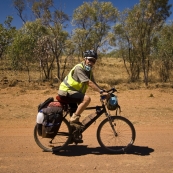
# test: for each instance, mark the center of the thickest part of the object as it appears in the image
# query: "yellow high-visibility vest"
(69, 84)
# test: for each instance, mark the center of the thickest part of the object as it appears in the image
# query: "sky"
(68, 6)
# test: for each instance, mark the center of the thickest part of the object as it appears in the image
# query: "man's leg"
(81, 107)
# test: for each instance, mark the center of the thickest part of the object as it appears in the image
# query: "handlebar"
(112, 90)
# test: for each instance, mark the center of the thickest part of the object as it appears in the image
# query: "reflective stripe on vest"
(69, 84)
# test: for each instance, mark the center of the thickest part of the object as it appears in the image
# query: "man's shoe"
(74, 118)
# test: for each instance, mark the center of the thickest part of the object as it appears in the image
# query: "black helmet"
(90, 53)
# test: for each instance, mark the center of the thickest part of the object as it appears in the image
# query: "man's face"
(90, 61)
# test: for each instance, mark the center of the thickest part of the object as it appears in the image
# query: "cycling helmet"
(90, 54)
(112, 102)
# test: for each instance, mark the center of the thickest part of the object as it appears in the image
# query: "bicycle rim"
(119, 142)
(58, 142)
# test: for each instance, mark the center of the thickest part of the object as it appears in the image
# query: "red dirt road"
(152, 151)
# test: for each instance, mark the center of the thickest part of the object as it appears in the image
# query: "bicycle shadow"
(140, 150)
(73, 150)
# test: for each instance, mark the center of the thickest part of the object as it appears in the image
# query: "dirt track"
(152, 151)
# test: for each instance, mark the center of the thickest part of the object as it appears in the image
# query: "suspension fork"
(112, 124)
(109, 119)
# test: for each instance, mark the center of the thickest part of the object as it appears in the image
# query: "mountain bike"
(116, 134)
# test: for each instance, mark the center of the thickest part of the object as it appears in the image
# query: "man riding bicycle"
(75, 84)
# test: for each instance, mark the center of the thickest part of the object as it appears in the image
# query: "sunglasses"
(92, 60)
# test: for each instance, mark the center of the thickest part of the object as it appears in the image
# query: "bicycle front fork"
(112, 124)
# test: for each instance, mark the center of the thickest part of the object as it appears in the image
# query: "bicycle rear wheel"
(120, 140)
(60, 141)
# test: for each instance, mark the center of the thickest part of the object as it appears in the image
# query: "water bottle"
(40, 117)
(88, 118)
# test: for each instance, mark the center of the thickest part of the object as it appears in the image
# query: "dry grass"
(108, 72)
(111, 71)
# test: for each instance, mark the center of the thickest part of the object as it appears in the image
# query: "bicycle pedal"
(75, 141)
(78, 140)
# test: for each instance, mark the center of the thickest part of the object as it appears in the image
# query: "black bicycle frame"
(99, 112)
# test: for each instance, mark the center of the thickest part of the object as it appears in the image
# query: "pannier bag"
(52, 121)
(45, 103)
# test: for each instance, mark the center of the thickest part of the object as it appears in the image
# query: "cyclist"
(75, 84)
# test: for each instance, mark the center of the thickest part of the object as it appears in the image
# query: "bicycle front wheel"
(60, 141)
(116, 136)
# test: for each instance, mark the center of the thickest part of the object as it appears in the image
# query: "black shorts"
(73, 100)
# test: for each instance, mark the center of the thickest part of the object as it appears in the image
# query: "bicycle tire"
(121, 142)
(59, 142)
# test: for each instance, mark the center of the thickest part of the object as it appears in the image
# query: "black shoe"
(39, 129)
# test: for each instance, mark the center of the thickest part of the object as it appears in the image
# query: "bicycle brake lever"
(112, 90)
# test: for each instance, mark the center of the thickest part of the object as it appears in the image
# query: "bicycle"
(115, 133)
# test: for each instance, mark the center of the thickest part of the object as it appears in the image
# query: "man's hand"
(106, 95)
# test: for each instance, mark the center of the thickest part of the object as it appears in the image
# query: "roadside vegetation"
(135, 46)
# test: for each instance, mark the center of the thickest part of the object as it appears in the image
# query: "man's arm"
(94, 86)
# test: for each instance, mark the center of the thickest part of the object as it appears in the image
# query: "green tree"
(164, 51)
(53, 44)
(20, 6)
(21, 51)
(138, 29)
(93, 21)
(126, 48)
(6, 35)
(54, 20)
